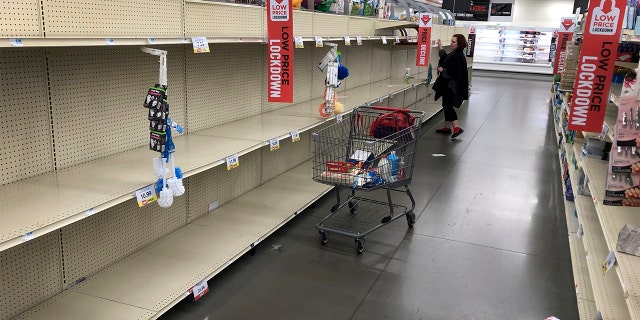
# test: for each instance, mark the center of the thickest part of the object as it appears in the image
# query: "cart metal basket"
(373, 149)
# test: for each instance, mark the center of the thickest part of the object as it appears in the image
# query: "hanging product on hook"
(160, 125)
(335, 74)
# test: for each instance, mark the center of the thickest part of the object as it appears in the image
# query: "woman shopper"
(452, 83)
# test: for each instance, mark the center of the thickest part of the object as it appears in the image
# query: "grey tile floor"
(490, 240)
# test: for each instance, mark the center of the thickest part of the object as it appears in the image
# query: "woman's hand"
(439, 43)
(440, 69)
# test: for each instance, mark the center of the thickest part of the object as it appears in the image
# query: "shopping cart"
(373, 149)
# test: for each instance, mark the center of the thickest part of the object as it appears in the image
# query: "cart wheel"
(353, 208)
(411, 219)
(359, 246)
(334, 208)
(323, 238)
(386, 219)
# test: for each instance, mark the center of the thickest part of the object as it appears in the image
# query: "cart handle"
(390, 108)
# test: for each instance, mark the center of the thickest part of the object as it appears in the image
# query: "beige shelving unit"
(584, 290)
(612, 220)
(615, 293)
(77, 246)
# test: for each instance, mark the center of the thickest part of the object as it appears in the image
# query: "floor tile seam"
(491, 247)
(373, 284)
(502, 167)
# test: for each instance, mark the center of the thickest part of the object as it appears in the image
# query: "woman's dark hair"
(462, 42)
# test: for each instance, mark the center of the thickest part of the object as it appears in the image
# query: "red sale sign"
(424, 39)
(279, 51)
(595, 65)
(565, 33)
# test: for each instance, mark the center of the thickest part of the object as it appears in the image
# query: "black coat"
(454, 77)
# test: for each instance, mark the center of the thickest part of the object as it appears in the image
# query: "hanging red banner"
(595, 65)
(280, 51)
(565, 34)
(424, 39)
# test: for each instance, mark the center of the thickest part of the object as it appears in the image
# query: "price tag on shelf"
(146, 195)
(319, 43)
(200, 44)
(609, 262)
(185, 40)
(397, 39)
(109, 42)
(338, 117)
(359, 40)
(151, 40)
(580, 232)
(299, 44)
(232, 162)
(27, 236)
(295, 136)
(274, 144)
(16, 42)
(199, 290)
(594, 199)
(384, 39)
(90, 212)
(240, 40)
(347, 40)
(381, 99)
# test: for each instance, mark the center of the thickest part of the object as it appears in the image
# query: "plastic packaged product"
(384, 168)
(401, 174)
(395, 163)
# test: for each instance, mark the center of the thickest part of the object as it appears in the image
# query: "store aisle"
(490, 241)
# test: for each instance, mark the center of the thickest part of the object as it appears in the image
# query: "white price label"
(298, 42)
(200, 44)
(232, 162)
(274, 144)
(90, 212)
(199, 290)
(347, 40)
(185, 40)
(397, 39)
(295, 136)
(146, 195)
(339, 118)
(580, 232)
(381, 99)
(609, 262)
(319, 43)
(27, 236)
(359, 40)
(109, 42)
(16, 42)
(151, 40)
(384, 39)
(240, 40)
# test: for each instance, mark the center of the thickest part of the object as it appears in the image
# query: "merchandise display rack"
(514, 48)
(64, 196)
(215, 241)
(584, 290)
(80, 197)
(614, 295)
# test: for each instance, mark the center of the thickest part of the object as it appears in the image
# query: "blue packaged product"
(395, 163)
